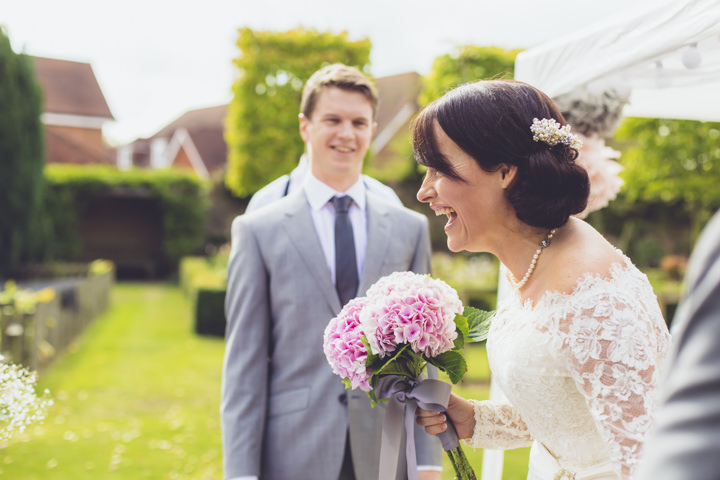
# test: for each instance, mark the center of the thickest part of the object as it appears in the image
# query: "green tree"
(672, 161)
(21, 159)
(262, 121)
(468, 63)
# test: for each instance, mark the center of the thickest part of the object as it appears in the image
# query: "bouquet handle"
(404, 397)
(451, 444)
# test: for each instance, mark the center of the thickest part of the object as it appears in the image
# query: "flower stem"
(463, 470)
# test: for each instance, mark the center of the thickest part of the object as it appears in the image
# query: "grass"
(137, 397)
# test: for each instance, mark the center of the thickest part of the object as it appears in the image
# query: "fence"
(46, 317)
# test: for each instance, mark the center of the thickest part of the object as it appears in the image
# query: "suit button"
(342, 398)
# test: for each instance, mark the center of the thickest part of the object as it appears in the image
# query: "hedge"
(203, 281)
(182, 198)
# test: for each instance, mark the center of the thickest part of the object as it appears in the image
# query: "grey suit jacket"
(285, 415)
(686, 440)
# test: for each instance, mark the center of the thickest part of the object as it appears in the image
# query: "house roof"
(70, 88)
(63, 149)
(199, 119)
(396, 91)
(205, 127)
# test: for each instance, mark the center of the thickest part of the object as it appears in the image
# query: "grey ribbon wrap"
(407, 395)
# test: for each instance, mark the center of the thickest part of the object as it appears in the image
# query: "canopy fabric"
(640, 52)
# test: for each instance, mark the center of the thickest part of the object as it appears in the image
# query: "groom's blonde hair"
(339, 76)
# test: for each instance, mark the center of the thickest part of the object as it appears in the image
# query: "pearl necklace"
(543, 245)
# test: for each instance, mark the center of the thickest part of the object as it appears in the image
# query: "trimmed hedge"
(203, 282)
(181, 197)
(210, 312)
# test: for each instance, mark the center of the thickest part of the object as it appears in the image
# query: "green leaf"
(373, 399)
(395, 367)
(453, 363)
(461, 327)
(404, 362)
(370, 361)
(478, 322)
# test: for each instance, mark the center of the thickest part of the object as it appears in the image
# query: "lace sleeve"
(612, 342)
(498, 426)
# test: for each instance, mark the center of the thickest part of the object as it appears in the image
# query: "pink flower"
(406, 307)
(602, 169)
(343, 348)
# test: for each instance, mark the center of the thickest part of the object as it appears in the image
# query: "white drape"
(640, 50)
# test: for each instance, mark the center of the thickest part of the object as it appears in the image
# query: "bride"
(578, 346)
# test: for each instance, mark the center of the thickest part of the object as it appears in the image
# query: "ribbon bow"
(408, 395)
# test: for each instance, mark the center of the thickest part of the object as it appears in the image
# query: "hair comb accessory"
(550, 132)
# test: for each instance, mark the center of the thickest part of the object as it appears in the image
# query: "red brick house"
(74, 112)
(391, 145)
(194, 141)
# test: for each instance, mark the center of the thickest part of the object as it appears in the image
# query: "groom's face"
(338, 135)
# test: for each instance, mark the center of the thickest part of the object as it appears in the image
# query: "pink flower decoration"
(598, 160)
(343, 348)
(405, 307)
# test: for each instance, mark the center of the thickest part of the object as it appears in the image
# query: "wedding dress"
(579, 371)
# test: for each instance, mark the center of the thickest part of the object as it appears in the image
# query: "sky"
(156, 59)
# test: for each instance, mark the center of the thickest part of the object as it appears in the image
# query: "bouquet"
(381, 343)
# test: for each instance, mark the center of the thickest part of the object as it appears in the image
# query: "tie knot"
(342, 204)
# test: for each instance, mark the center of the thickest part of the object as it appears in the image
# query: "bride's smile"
(471, 198)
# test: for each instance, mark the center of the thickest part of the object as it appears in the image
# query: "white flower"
(19, 405)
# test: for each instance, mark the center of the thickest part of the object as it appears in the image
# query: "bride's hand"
(459, 410)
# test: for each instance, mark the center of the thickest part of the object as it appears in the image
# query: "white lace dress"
(580, 372)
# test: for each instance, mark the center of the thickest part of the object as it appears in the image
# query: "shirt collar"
(319, 193)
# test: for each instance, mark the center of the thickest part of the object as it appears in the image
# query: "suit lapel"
(300, 230)
(379, 223)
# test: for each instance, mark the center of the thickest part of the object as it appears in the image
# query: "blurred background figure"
(685, 443)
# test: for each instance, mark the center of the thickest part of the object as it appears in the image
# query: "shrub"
(210, 311)
(202, 279)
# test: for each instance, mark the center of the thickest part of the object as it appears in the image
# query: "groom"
(285, 415)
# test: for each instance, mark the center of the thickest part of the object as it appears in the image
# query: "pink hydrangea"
(343, 348)
(599, 161)
(405, 307)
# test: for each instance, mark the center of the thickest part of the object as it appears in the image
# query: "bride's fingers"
(432, 419)
(425, 418)
(434, 423)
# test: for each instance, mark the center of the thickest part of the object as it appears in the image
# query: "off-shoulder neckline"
(585, 281)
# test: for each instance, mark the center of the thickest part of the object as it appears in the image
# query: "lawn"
(137, 398)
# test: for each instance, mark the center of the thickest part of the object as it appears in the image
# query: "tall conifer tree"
(21, 160)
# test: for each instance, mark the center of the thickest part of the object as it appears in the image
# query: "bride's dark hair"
(490, 121)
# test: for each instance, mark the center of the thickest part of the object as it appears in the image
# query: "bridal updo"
(490, 121)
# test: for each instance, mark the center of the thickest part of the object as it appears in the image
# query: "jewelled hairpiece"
(550, 132)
